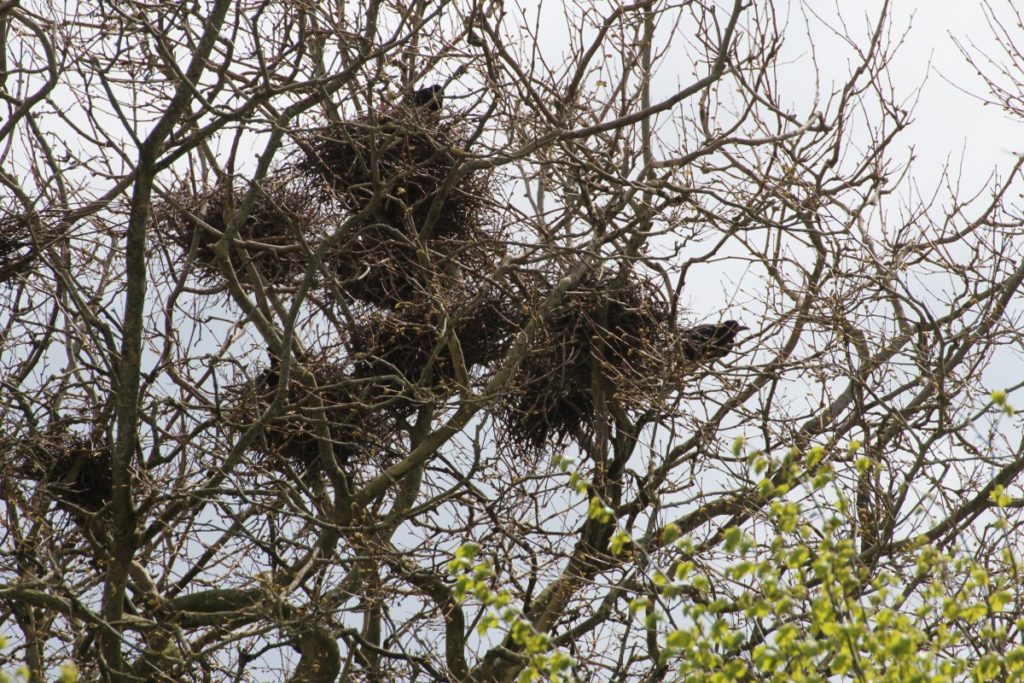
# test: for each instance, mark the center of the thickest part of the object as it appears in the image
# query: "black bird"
(711, 341)
(271, 374)
(430, 97)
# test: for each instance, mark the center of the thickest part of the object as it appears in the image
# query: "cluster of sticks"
(391, 187)
(75, 469)
(386, 200)
(18, 249)
(415, 210)
(611, 331)
(281, 225)
(415, 341)
(414, 228)
(356, 424)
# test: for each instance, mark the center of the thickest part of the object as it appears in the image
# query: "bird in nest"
(429, 98)
(424, 104)
(711, 341)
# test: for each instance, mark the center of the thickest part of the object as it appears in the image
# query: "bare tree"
(468, 341)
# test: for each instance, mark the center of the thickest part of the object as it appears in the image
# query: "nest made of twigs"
(401, 161)
(75, 469)
(11, 248)
(412, 341)
(358, 427)
(17, 248)
(615, 331)
(271, 238)
(395, 173)
(382, 267)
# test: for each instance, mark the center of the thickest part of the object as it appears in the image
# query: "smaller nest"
(270, 239)
(11, 249)
(357, 429)
(17, 251)
(405, 342)
(76, 470)
(380, 266)
(552, 396)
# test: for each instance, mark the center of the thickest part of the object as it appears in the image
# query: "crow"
(271, 376)
(430, 97)
(710, 342)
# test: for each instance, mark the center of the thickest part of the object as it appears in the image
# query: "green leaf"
(466, 551)
(562, 462)
(679, 640)
(598, 511)
(487, 622)
(999, 496)
(733, 535)
(637, 604)
(618, 541)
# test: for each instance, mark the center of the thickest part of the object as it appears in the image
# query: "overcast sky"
(949, 121)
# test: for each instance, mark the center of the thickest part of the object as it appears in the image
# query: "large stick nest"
(609, 330)
(399, 174)
(414, 341)
(18, 249)
(13, 247)
(76, 470)
(358, 428)
(270, 239)
(386, 266)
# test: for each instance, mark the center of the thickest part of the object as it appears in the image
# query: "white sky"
(949, 122)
